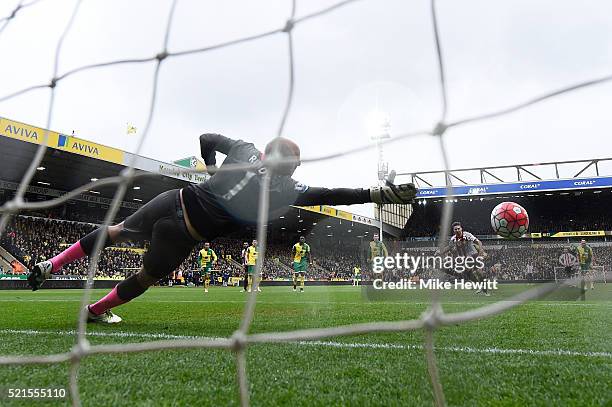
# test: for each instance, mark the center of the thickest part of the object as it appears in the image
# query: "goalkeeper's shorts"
(161, 220)
(585, 267)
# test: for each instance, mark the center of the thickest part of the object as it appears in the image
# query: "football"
(509, 220)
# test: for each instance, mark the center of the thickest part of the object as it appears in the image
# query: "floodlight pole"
(383, 167)
(381, 172)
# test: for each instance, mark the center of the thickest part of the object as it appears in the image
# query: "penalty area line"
(331, 344)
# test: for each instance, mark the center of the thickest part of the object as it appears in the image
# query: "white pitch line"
(345, 345)
(103, 334)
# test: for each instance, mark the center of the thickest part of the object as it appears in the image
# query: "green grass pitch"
(542, 353)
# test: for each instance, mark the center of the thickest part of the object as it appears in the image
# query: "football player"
(301, 256)
(176, 220)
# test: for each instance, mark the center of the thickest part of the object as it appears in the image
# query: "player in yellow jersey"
(206, 258)
(356, 275)
(301, 256)
(251, 260)
(585, 258)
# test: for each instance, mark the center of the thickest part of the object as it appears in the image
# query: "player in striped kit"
(465, 244)
(243, 258)
(568, 261)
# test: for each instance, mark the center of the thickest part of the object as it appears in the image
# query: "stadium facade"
(70, 162)
(562, 211)
(564, 199)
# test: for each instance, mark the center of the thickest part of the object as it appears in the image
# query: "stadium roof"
(515, 179)
(71, 162)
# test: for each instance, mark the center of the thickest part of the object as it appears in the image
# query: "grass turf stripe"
(548, 304)
(348, 345)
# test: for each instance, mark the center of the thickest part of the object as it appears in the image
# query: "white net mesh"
(238, 343)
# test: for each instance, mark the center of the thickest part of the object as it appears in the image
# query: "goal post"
(596, 271)
(599, 270)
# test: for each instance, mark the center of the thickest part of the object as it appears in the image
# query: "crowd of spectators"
(32, 240)
(521, 261)
(540, 262)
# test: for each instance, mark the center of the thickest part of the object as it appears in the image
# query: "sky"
(367, 56)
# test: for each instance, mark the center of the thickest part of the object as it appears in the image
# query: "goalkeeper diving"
(176, 220)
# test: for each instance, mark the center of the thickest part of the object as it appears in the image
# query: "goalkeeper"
(376, 249)
(176, 220)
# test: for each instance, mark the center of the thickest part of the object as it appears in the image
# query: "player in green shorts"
(356, 275)
(206, 258)
(301, 254)
(376, 249)
(585, 259)
(251, 260)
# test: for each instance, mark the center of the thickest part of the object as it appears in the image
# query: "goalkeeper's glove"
(393, 194)
(211, 169)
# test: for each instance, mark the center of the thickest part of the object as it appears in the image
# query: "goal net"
(434, 318)
(598, 273)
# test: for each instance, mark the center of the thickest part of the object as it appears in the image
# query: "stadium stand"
(33, 239)
(522, 260)
(337, 238)
(548, 213)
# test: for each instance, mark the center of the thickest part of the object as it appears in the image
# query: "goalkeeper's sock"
(89, 241)
(69, 255)
(107, 302)
(302, 283)
(82, 248)
(123, 292)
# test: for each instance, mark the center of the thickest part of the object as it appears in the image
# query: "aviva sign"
(23, 132)
(72, 144)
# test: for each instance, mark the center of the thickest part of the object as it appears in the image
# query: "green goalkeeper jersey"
(585, 254)
(378, 249)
